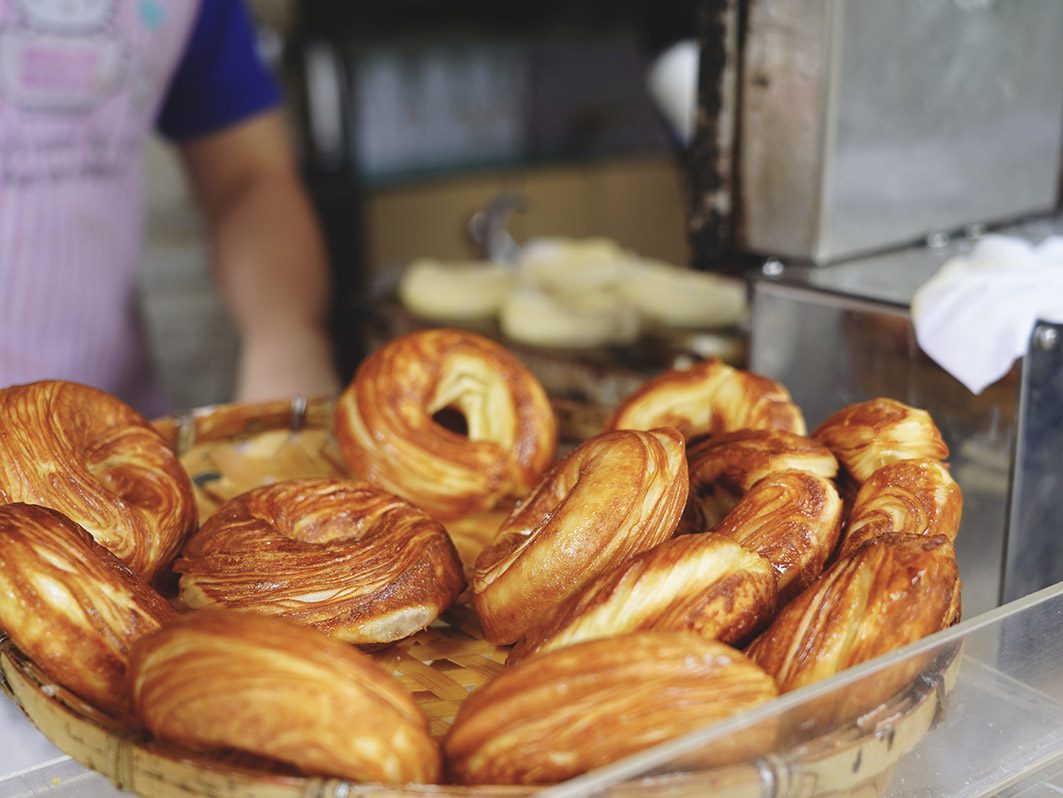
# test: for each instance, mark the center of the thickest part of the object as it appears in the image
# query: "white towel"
(976, 315)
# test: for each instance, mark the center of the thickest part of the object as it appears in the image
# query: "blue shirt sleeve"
(220, 80)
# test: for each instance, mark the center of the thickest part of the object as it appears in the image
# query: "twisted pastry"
(704, 584)
(891, 591)
(346, 557)
(614, 496)
(792, 519)
(868, 435)
(96, 460)
(568, 711)
(217, 679)
(387, 433)
(917, 497)
(724, 467)
(70, 605)
(710, 396)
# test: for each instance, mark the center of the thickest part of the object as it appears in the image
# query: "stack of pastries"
(700, 556)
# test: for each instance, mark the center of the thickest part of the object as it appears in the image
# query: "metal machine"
(852, 147)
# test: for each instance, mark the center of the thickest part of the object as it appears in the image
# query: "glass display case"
(974, 710)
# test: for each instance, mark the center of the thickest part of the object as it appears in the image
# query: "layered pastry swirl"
(96, 460)
(793, 520)
(724, 467)
(868, 435)
(388, 428)
(708, 585)
(709, 396)
(72, 606)
(564, 712)
(615, 496)
(346, 557)
(890, 591)
(218, 679)
(916, 497)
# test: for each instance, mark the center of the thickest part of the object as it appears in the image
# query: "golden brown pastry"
(868, 435)
(70, 605)
(917, 497)
(97, 461)
(565, 712)
(615, 496)
(710, 396)
(346, 557)
(386, 422)
(704, 584)
(889, 592)
(218, 679)
(792, 519)
(723, 467)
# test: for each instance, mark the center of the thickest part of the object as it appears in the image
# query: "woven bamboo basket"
(228, 449)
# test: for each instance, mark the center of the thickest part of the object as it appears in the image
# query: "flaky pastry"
(219, 679)
(705, 584)
(917, 497)
(388, 434)
(709, 396)
(675, 297)
(568, 711)
(72, 606)
(346, 557)
(96, 460)
(792, 519)
(889, 592)
(616, 495)
(455, 291)
(723, 467)
(868, 435)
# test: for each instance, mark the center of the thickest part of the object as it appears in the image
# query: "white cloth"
(976, 315)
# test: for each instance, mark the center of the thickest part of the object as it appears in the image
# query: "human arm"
(268, 257)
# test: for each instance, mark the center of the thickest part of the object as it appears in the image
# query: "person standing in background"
(83, 83)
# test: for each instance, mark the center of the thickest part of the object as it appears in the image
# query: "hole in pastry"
(452, 419)
(132, 482)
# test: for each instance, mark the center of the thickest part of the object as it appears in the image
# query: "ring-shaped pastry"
(868, 435)
(564, 712)
(388, 434)
(93, 458)
(793, 520)
(346, 557)
(71, 606)
(217, 679)
(887, 593)
(917, 497)
(708, 585)
(709, 397)
(616, 495)
(724, 467)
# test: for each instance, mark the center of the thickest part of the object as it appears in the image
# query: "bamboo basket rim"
(845, 757)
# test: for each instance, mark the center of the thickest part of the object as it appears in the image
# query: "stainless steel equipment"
(859, 145)
(832, 128)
